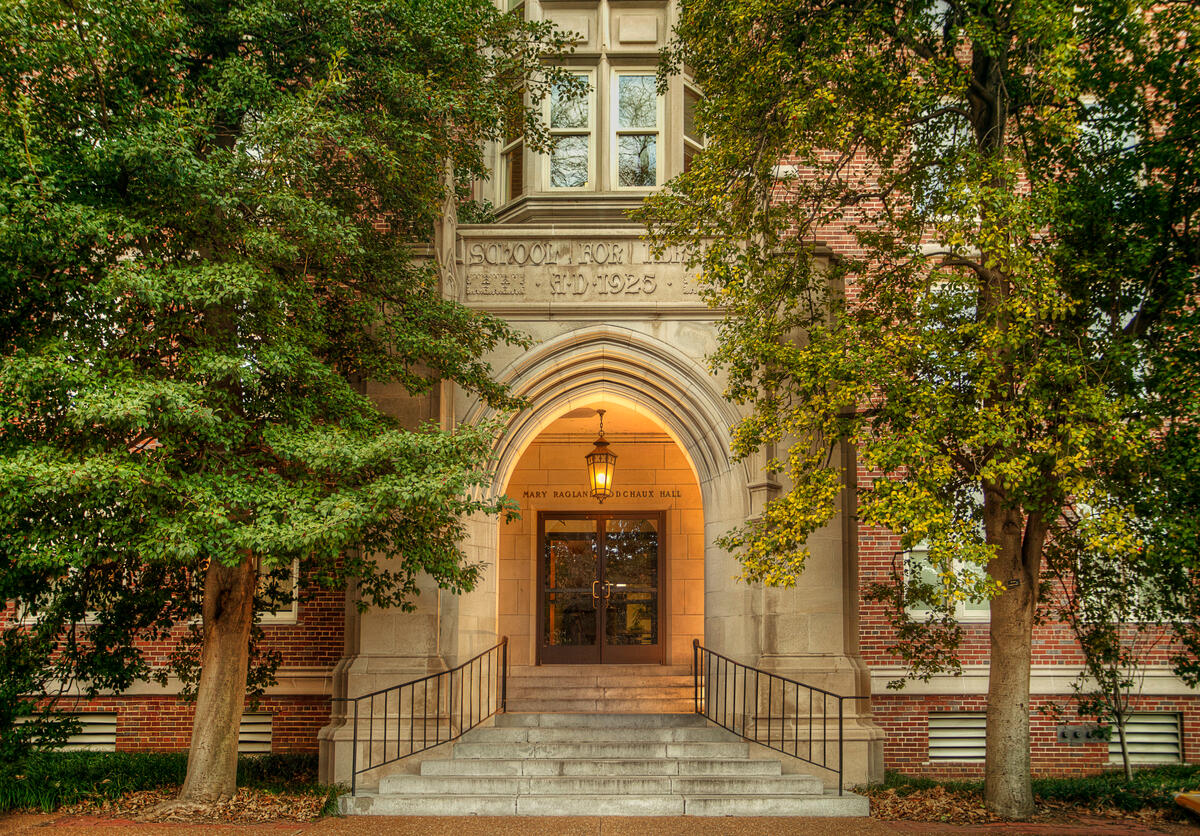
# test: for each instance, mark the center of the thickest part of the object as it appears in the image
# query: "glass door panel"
(600, 587)
(570, 590)
(631, 585)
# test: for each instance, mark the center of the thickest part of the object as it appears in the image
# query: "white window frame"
(961, 613)
(614, 133)
(291, 614)
(593, 112)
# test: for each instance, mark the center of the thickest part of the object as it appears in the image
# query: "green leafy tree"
(205, 221)
(1016, 183)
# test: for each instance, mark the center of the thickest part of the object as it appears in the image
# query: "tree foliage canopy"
(207, 217)
(1009, 326)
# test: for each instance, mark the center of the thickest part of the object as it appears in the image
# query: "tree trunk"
(1006, 775)
(221, 694)
(1007, 788)
(1122, 719)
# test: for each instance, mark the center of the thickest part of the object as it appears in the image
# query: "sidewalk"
(55, 825)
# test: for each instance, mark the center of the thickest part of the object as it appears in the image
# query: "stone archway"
(611, 364)
(656, 509)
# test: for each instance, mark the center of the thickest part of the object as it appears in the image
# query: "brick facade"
(154, 719)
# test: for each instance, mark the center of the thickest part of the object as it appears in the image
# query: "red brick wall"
(905, 718)
(157, 723)
(164, 723)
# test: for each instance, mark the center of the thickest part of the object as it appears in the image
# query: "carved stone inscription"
(600, 270)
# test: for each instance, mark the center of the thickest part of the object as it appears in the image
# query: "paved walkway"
(55, 825)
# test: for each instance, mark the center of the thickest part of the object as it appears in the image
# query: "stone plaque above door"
(537, 270)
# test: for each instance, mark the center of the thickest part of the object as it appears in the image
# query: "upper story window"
(693, 140)
(636, 119)
(512, 166)
(571, 122)
(622, 138)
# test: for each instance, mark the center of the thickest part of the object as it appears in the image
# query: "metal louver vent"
(254, 734)
(957, 735)
(97, 733)
(1153, 737)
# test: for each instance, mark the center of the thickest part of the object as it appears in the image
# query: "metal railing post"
(840, 739)
(722, 684)
(354, 753)
(696, 673)
(473, 708)
(504, 674)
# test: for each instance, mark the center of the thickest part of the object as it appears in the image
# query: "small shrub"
(48, 780)
(1151, 787)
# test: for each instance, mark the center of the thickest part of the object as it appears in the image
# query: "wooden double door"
(600, 580)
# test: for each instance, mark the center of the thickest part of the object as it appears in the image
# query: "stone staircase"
(601, 689)
(611, 764)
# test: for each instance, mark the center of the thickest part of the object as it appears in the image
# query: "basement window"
(957, 735)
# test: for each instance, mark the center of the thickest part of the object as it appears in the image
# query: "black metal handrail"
(460, 698)
(716, 679)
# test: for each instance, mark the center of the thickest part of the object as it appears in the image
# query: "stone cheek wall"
(649, 476)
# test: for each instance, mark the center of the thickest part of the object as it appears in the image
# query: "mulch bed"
(939, 805)
(247, 807)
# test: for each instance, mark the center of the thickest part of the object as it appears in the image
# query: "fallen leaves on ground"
(937, 804)
(248, 806)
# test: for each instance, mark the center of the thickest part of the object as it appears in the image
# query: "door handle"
(594, 595)
(608, 590)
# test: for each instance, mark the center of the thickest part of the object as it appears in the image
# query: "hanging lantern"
(600, 465)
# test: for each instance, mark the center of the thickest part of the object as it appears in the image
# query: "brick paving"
(55, 825)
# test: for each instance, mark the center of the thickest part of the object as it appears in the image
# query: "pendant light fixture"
(600, 465)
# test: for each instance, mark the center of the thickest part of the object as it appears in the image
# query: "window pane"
(513, 161)
(690, 100)
(637, 102)
(566, 112)
(636, 159)
(569, 162)
(277, 588)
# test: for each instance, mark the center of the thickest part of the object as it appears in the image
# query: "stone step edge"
(848, 804)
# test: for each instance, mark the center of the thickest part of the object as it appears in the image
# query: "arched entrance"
(619, 582)
(672, 396)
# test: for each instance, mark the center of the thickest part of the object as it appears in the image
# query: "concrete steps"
(616, 764)
(601, 689)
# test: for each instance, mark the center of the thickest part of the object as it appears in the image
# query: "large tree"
(1009, 327)
(207, 212)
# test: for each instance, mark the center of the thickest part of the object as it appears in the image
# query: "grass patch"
(1151, 787)
(49, 780)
